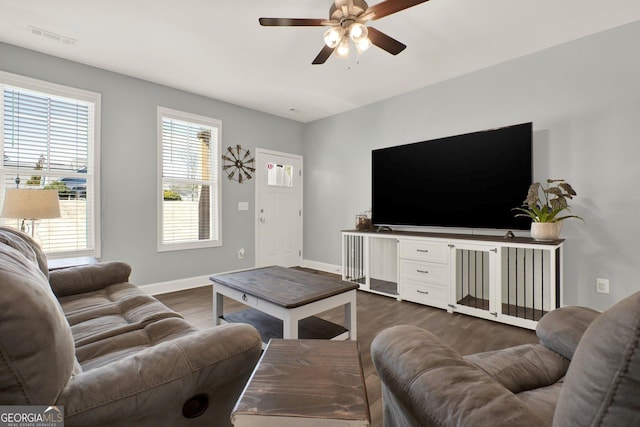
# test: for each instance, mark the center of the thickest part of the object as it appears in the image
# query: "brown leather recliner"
(584, 372)
(107, 352)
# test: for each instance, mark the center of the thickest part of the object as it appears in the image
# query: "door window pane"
(279, 175)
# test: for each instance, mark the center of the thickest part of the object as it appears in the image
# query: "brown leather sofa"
(584, 372)
(86, 339)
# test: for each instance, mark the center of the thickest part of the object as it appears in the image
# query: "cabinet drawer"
(242, 297)
(424, 251)
(425, 293)
(424, 271)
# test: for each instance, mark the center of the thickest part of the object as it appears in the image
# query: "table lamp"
(26, 204)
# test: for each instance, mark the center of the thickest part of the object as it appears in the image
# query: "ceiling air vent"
(52, 36)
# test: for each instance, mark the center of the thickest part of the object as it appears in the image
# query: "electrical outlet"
(241, 253)
(602, 286)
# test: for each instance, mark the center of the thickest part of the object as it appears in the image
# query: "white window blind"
(48, 141)
(189, 197)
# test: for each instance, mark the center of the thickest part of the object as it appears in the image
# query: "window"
(279, 175)
(49, 138)
(189, 194)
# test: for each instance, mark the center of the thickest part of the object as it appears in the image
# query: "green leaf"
(559, 204)
(568, 189)
(532, 195)
(554, 190)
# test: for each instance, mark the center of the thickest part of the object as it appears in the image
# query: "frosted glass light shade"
(30, 204)
(363, 44)
(343, 48)
(333, 36)
(358, 32)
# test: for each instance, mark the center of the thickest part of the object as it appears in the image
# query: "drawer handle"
(422, 250)
(244, 297)
(423, 271)
(422, 292)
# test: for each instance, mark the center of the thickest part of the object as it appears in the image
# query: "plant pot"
(546, 231)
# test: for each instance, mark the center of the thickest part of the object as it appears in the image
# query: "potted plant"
(544, 206)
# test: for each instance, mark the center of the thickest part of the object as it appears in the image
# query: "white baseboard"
(196, 282)
(322, 266)
(175, 285)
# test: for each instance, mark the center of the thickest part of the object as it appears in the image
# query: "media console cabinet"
(511, 280)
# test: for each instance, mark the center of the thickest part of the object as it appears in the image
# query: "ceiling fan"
(347, 21)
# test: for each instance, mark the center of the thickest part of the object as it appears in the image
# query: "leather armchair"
(584, 372)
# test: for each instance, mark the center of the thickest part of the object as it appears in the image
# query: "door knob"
(263, 219)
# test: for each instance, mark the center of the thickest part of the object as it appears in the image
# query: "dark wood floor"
(466, 334)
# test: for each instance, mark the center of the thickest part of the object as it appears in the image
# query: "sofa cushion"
(101, 353)
(36, 345)
(116, 309)
(561, 329)
(88, 278)
(25, 245)
(601, 386)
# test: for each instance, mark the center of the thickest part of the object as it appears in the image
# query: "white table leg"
(290, 326)
(350, 318)
(217, 306)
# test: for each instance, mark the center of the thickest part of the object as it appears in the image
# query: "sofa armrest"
(435, 386)
(87, 278)
(521, 368)
(155, 383)
(561, 329)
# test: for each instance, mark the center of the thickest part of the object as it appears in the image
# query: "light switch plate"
(243, 206)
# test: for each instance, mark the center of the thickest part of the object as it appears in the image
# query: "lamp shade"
(30, 204)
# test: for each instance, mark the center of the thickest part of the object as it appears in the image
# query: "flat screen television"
(466, 181)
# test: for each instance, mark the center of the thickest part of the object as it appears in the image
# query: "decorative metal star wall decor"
(238, 164)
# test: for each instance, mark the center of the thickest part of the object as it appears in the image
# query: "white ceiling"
(217, 48)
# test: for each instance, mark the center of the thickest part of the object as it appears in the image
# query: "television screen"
(468, 181)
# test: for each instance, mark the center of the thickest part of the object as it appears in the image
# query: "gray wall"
(583, 97)
(584, 100)
(129, 164)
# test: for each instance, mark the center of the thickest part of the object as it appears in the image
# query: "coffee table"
(283, 301)
(305, 383)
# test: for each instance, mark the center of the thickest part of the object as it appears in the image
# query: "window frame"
(215, 181)
(61, 91)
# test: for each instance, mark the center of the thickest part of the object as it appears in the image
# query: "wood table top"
(316, 379)
(285, 287)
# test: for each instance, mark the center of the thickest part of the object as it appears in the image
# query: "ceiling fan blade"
(385, 42)
(324, 54)
(292, 22)
(388, 7)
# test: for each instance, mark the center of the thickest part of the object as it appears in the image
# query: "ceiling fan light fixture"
(347, 23)
(358, 32)
(333, 36)
(343, 48)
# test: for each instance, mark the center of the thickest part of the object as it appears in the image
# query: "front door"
(278, 209)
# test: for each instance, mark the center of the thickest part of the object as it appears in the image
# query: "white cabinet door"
(473, 280)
